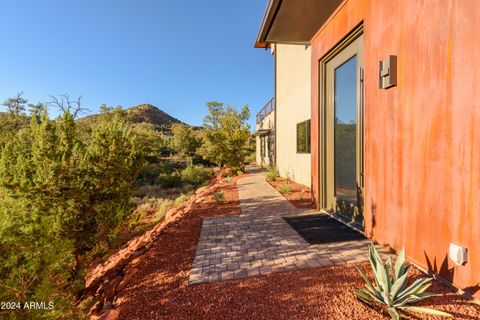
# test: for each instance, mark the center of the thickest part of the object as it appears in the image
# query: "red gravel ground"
(159, 288)
(300, 196)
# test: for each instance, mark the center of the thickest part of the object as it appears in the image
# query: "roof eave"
(267, 21)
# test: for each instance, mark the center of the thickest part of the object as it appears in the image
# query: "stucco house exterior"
(391, 94)
(292, 114)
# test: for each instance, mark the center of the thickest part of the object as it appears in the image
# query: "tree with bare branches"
(16, 105)
(65, 104)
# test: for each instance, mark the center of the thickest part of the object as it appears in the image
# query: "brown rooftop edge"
(293, 21)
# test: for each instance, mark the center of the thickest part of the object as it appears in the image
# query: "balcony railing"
(269, 107)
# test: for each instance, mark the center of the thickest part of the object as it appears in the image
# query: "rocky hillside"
(144, 113)
(147, 113)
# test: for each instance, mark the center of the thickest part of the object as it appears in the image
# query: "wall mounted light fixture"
(387, 74)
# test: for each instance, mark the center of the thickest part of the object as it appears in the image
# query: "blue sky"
(176, 55)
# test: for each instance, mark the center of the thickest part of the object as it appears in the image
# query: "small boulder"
(129, 274)
(113, 315)
(111, 288)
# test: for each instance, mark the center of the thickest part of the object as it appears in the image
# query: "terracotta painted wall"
(422, 138)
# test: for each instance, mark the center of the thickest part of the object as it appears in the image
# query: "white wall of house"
(268, 123)
(293, 105)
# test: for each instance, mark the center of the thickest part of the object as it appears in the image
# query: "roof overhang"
(293, 21)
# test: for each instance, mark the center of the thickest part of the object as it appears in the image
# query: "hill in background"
(145, 113)
(141, 114)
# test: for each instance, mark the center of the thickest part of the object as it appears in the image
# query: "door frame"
(324, 163)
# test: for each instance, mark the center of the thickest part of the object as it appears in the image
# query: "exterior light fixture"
(387, 74)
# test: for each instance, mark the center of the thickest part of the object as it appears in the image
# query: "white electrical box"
(458, 254)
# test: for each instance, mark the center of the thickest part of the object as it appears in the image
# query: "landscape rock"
(201, 191)
(111, 288)
(106, 279)
(129, 274)
(112, 315)
(97, 306)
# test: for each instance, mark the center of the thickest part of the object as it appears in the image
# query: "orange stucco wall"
(422, 137)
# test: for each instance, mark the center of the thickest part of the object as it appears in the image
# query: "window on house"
(303, 137)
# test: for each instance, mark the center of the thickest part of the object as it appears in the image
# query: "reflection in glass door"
(344, 133)
(345, 130)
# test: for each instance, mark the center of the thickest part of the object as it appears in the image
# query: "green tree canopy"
(184, 141)
(226, 135)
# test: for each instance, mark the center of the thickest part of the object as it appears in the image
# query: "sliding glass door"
(344, 132)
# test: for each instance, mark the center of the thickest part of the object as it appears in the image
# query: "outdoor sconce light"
(388, 72)
(458, 254)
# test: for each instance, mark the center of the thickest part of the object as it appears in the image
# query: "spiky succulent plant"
(391, 289)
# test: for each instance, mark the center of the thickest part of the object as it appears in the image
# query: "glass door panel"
(344, 133)
(345, 130)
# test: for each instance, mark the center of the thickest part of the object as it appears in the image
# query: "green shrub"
(228, 179)
(251, 158)
(239, 173)
(285, 188)
(272, 173)
(169, 180)
(219, 197)
(163, 208)
(150, 171)
(391, 287)
(227, 174)
(195, 175)
(60, 197)
(181, 199)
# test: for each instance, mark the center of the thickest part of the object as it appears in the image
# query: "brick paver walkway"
(259, 241)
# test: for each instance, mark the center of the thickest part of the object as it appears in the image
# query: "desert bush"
(228, 179)
(195, 175)
(169, 180)
(166, 205)
(272, 173)
(147, 207)
(219, 197)
(151, 170)
(227, 174)
(181, 199)
(285, 188)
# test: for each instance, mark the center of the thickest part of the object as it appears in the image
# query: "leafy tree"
(226, 135)
(184, 142)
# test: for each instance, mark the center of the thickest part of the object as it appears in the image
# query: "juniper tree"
(59, 198)
(184, 142)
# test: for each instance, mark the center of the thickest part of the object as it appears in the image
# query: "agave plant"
(391, 287)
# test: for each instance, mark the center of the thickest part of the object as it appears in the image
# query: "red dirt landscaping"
(157, 286)
(299, 195)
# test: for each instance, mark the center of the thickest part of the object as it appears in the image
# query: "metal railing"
(266, 110)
